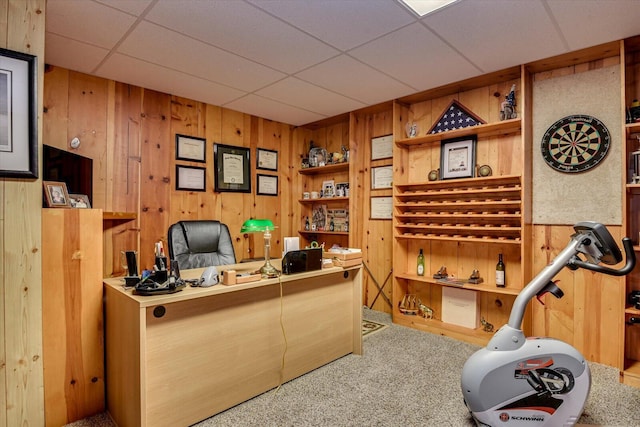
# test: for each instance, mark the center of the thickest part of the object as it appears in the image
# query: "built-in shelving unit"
(630, 373)
(460, 224)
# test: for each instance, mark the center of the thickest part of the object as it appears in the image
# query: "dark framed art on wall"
(231, 168)
(458, 158)
(18, 117)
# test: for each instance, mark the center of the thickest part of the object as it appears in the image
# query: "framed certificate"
(382, 147)
(191, 178)
(267, 159)
(458, 158)
(381, 208)
(381, 177)
(191, 148)
(231, 168)
(267, 185)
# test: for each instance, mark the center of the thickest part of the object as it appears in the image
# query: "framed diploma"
(458, 158)
(381, 177)
(382, 147)
(381, 208)
(267, 159)
(191, 178)
(191, 148)
(267, 185)
(231, 168)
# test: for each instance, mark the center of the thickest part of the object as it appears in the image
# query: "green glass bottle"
(420, 263)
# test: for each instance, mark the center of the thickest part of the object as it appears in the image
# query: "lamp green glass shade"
(262, 226)
(257, 226)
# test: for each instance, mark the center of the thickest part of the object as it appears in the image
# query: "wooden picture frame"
(266, 159)
(458, 158)
(381, 207)
(79, 201)
(191, 148)
(381, 177)
(382, 147)
(267, 185)
(56, 194)
(191, 178)
(231, 168)
(18, 116)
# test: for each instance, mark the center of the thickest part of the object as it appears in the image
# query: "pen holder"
(161, 262)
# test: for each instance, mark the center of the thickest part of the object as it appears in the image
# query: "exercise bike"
(535, 381)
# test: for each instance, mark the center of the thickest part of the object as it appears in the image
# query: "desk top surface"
(190, 292)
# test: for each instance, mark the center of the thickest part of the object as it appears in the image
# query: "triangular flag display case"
(455, 116)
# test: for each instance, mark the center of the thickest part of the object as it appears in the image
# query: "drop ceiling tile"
(342, 24)
(295, 92)
(596, 22)
(161, 46)
(416, 57)
(273, 110)
(238, 27)
(522, 32)
(151, 76)
(349, 77)
(87, 22)
(72, 54)
(134, 7)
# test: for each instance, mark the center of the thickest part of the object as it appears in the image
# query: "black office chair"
(195, 244)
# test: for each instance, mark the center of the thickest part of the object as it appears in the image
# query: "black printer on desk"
(302, 260)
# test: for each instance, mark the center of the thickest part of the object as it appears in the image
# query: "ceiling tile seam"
(555, 24)
(329, 44)
(133, 26)
(277, 101)
(452, 47)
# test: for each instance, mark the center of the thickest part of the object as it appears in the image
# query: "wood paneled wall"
(21, 380)
(129, 132)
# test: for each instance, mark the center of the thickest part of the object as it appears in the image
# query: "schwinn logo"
(504, 416)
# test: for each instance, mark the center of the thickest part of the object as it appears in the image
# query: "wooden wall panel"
(21, 379)
(588, 316)
(73, 342)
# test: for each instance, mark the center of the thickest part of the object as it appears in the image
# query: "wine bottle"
(420, 263)
(500, 272)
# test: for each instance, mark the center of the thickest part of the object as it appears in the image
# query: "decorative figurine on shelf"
(411, 129)
(442, 273)
(475, 277)
(484, 171)
(434, 175)
(634, 112)
(306, 224)
(426, 312)
(486, 326)
(508, 107)
(345, 153)
(410, 304)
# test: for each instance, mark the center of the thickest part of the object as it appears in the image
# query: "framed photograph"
(342, 189)
(56, 194)
(267, 159)
(328, 188)
(381, 177)
(231, 168)
(191, 148)
(458, 158)
(267, 185)
(80, 201)
(382, 147)
(191, 178)
(18, 117)
(381, 208)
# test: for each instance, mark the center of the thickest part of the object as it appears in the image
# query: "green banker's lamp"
(262, 226)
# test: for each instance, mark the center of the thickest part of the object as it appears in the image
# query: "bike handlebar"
(630, 256)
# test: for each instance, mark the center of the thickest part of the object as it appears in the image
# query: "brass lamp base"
(268, 270)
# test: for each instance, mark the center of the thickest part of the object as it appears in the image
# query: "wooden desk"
(213, 348)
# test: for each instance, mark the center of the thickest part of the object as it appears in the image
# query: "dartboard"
(575, 143)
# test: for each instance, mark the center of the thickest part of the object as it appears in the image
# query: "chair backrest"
(195, 244)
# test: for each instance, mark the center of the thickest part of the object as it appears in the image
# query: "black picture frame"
(18, 115)
(267, 185)
(191, 178)
(266, 159)
(458, 158)
(232, 170)
(191, 148)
